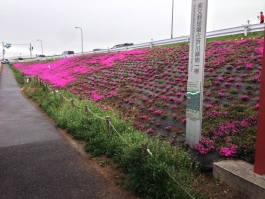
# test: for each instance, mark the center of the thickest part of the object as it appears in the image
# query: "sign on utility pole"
(196, 71)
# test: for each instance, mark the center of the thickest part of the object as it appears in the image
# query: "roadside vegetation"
(147, 163)
(19, 78)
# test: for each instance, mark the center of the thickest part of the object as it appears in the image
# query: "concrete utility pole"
(81, 38)
(3, 50)
(41, 46)
(172, 19)
(30, 50)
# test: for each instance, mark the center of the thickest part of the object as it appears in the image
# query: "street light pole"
(41, 46)
(172, 19)
(81, 38)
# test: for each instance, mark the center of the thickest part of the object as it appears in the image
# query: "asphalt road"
(36, 161)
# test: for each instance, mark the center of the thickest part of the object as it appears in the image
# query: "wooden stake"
(86, 110)
(61, 97)
(107, 124)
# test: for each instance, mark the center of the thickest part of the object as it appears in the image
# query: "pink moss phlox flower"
(96, 96)
(112, 94)
(256, 78)
(144, 99)
(143, 117)
(208, 106)
(205, 145)
(151, 109)
(150, 130)
(227, 84)
(249, 66)
(217, 83)
(244, 97)
(238, 84)
(184, 120)
(257, 106)
(171, 99)
(243, 75)
(220, 94)
(178, 101)
(231, 79)
(184, 80)
(158, 112)
(217, 43)
(173, 107)
(151, 119)
(140, 127)
(228, 152)
(178, 94)
(220, 79)
(163, 97)
(168, 128)
(131, 102)
(158, 124)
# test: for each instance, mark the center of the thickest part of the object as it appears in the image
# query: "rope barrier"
(118, 133)
(178, 183)
(148, 150)
(66, 99)
(95, 114)
(77, 105)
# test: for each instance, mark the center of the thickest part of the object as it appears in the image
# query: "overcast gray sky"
(108, 22)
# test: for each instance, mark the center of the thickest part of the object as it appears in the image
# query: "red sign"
(259, 166)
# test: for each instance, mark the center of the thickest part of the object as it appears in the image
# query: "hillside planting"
(147, 87)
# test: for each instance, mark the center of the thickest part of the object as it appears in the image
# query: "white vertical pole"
(196, 71)
(30, 50)
(172, 19)
(3, 50)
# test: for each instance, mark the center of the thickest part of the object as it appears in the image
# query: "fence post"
(107, 124)
(144, 146)
(61, 97)
(86, 110)
(72, 102)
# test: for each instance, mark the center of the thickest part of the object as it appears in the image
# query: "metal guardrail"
(212, 34)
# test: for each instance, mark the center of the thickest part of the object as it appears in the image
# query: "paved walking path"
(36, 161)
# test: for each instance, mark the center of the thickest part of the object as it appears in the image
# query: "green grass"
(147, 174)
(19, 78)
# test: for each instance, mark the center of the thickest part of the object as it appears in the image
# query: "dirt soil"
(204, 183)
